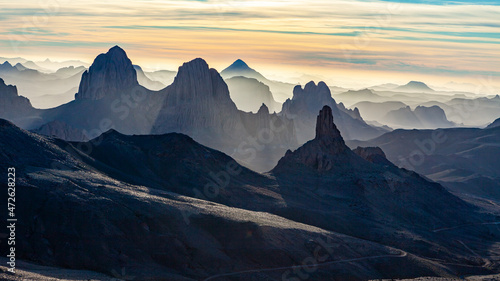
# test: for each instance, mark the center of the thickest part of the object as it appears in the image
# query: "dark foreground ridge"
(127, 204)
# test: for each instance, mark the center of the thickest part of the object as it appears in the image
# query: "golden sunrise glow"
(348, 43)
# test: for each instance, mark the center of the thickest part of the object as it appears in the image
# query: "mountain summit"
(415, 86)
(109, 75)
(241, 68)
(239, 64)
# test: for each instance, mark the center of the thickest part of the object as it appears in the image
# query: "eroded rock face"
(109, 75)
(197, 101)
(11, 104)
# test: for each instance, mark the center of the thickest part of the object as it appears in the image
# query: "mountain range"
(197, 103)
(127, 204)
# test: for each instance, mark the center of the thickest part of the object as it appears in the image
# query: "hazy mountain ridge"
(420, 118)
(463, 159)
(34, 84)
(249, 94)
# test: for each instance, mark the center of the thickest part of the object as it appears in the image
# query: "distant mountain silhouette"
(241, 68)
(280, 90)
(33, 83)
(415, 87)
(146, 81)
(375, 111)
(422, 117)
(249, 94)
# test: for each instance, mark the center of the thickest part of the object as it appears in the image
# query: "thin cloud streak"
(332, 36)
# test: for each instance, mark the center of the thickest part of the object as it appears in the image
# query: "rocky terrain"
(79, 216)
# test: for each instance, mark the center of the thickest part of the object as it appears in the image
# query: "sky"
(353, 44)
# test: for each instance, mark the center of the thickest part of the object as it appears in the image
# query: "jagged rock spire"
(326, 131)
(325, 128)
(327, 151)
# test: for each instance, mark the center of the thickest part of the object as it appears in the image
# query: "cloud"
(453, 37)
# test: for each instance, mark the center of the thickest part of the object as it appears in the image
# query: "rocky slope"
(79, 217)
(352, 195)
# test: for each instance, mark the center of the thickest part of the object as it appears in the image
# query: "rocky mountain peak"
(241, 68)
(195, 69)
(199, 98)
(196, 81)
(320, 92)
(109, 75)
(239, 64)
